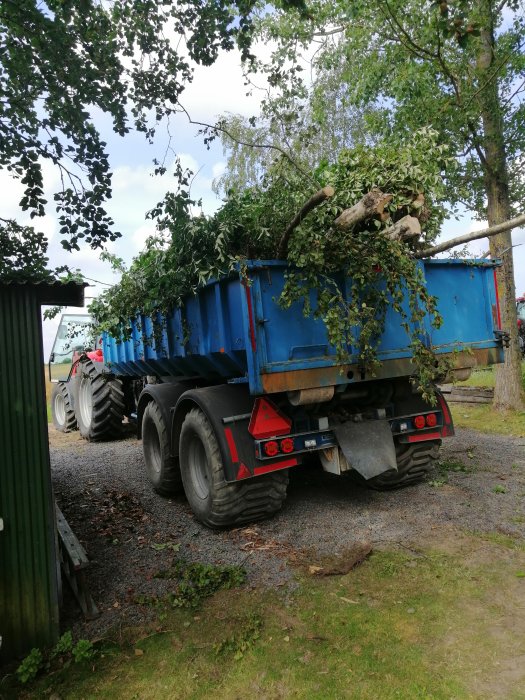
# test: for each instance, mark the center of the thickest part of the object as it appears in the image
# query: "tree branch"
(314, 201)
(473, 236)
(218, 127)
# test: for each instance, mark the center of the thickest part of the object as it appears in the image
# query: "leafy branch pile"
(189, 250)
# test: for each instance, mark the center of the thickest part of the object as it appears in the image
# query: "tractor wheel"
(62, 411)
(99, 404)
(215, 502)
(161, 467)
(414, 462)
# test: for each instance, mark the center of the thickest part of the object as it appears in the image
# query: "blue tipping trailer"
(244, 389)
(234, 330)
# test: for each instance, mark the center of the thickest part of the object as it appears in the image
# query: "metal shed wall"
(28, 568)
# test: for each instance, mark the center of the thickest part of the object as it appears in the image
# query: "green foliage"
(83, 651)
(63, 651)
(406, 65)
(192, 249)
(23, 255)
(195, 582)
(30, 666)
(64, 63)
(63, 646)
(238, 644)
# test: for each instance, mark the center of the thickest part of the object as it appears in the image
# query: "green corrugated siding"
(28, 576)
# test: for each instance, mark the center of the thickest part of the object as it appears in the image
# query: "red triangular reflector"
(243, 472)
(267, 420)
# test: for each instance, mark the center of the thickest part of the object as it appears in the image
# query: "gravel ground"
(103, 492)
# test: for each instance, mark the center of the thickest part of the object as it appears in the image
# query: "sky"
(214, 90)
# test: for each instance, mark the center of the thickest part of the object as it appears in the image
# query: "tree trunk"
(508, 392)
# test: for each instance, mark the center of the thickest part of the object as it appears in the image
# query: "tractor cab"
(74, 336)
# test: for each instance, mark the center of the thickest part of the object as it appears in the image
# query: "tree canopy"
(457, 66)
(62, 63)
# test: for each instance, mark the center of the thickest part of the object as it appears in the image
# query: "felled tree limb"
(314, 201)
(372, 204)
(473, 236)
(405, 229)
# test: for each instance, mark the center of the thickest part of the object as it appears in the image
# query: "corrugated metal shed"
(28, 568)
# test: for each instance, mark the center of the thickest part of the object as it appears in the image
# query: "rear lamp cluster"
(272, 448)
(428, 421)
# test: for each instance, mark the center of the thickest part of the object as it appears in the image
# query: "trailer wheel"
(162, 469)
(215, 502)
(62, 411)
(414, 462)
(99, 404)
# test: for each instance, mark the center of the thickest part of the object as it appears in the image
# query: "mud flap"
(368, 446)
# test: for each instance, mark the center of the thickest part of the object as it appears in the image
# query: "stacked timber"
(467, 394)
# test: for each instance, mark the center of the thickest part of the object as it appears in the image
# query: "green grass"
(485, 376)
(484, 418)
(422, 625)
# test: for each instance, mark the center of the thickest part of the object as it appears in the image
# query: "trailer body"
(234, 331)
(240, 390)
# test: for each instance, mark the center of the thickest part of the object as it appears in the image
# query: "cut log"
(372, 204)
(314, 201)
(406, 228)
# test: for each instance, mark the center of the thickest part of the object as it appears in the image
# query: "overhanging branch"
(473, 236)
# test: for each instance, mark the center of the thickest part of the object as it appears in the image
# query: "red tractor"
(86, 396)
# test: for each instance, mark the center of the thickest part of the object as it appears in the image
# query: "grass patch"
(485, 376)
(484, 418)
(398, 626)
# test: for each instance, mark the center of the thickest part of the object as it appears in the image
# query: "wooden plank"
(73, 562)
(454, 398)
(473, 391)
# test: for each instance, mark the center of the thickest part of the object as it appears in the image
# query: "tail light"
(431, 420)
(287, 445)
(271, 448)
(419, 422)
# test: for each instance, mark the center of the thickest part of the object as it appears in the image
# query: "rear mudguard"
(367, 446)
(228, 409)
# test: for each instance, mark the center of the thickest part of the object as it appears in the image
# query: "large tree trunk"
(508, 391)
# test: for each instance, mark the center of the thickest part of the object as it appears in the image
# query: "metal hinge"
(504, 336)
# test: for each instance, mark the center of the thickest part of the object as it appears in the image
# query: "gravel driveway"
(123, 524)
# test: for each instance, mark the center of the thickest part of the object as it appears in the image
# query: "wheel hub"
(198, 468)
(60, 409)
(85, 400)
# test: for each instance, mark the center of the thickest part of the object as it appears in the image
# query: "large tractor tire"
(99, 404)
(62, 411)
(161, 467)
(414, 462)
(215, 502)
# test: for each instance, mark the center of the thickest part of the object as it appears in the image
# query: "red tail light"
(267, 420)
(271, 448)
(431, 420)
(287, 445)
(419, 422)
